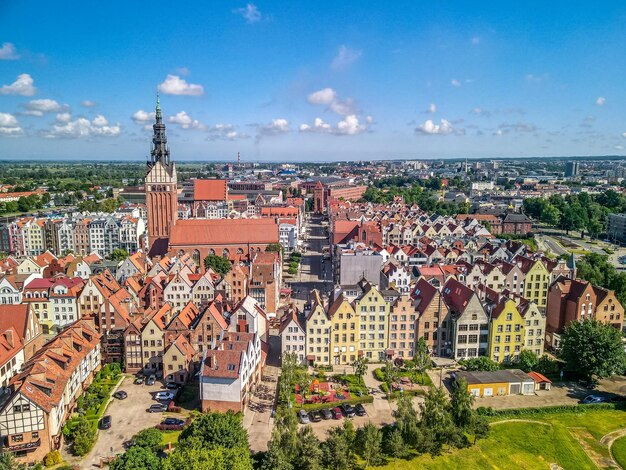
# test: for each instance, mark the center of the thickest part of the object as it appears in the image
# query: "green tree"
(84, 437)
(391, 374)
(481, 363)
(218, 264)
(218, 430)
(196, 457)
(393, 443)
(421, 358)
(8, 462)
(274, 247)
(436, 423)
(309, 453)
(369, 440)
(461, 405)
(136, 458)
(118, 255)
(360, 368)
(592, 348)
(150, 438)
(407, 421)
(338, 449)
(551, 215)
(527, 360)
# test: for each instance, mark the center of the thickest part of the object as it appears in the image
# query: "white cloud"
(182, 70)
(174, 85)
(522, 127)
(480, 112)
(141, 116)
(225, 132)
(323, 96)
(345, 57)
(455, 82)
(328, 97)
(88, 103)
(601, 100)
(624, 134)
(8, 52)
(536, 78)
(278, 126)
(82, 127)
(100, 121)
(430, 128)
(9, 125)
(619, 147)
(432, 108)
(250, 12)
(475, 41)
(46, 105)
(185, 121)
(22, 86)
(64, 117)
(349, 125)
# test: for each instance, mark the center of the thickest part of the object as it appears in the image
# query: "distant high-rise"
(161, 192)
(571, 169)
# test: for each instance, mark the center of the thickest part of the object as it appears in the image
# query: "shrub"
(580, 408)
(84, 436)
(379, 374)
(292, 270)
(52, 458)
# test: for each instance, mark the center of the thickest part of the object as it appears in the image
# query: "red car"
(337, 414)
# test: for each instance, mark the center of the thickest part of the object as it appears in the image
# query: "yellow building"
(373, 312)
(536, 281)
(498, 383)
(344, 334)
(506, 331)
(317, 332)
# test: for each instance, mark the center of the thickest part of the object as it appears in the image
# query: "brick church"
(234, 239)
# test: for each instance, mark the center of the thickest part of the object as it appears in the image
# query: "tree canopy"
(593, 349)
(218, 264)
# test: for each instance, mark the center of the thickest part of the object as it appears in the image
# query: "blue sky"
(320, 80)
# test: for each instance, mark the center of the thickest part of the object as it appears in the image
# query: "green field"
(570, 440)
(619, 451)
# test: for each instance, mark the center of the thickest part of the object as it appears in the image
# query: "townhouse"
(43, 395)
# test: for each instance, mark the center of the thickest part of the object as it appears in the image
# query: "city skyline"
(321, 82)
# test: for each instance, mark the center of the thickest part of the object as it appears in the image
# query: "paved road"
(315, 272)
(129, 416)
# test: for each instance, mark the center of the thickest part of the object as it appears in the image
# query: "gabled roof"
(456, 295)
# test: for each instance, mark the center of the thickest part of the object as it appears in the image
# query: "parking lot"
(128, 417)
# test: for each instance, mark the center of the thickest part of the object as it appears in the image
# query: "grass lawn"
(170, 437)
(559, 438)
(619, 451)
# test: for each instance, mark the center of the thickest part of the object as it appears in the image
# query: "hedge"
(395, 394)
(580, 408)
(351, 401)
(379, 374)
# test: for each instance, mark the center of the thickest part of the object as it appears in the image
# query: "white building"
(293, 335)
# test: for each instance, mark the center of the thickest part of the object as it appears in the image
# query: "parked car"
(151, 380)
(139, 380)
(105, 422)
(348, 410)
(337, 414)
(120, 395)
(326, 413)
(303, 417)
(164, 396)
(593, 399)
(315, 416)
(157, 408)
(360, 410)
(171, 385)
(172, 422)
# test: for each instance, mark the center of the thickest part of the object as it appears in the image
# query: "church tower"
(161, 192)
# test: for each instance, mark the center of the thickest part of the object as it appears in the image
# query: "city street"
(315, 271)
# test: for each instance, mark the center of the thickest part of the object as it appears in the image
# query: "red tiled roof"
(539, 378)
(210, 190)
(223, 232)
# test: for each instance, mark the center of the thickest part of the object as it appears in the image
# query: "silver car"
(303, 417)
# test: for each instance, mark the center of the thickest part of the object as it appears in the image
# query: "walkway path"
(609, 439)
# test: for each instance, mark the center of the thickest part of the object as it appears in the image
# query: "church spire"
(160, 151)
(159, 117)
